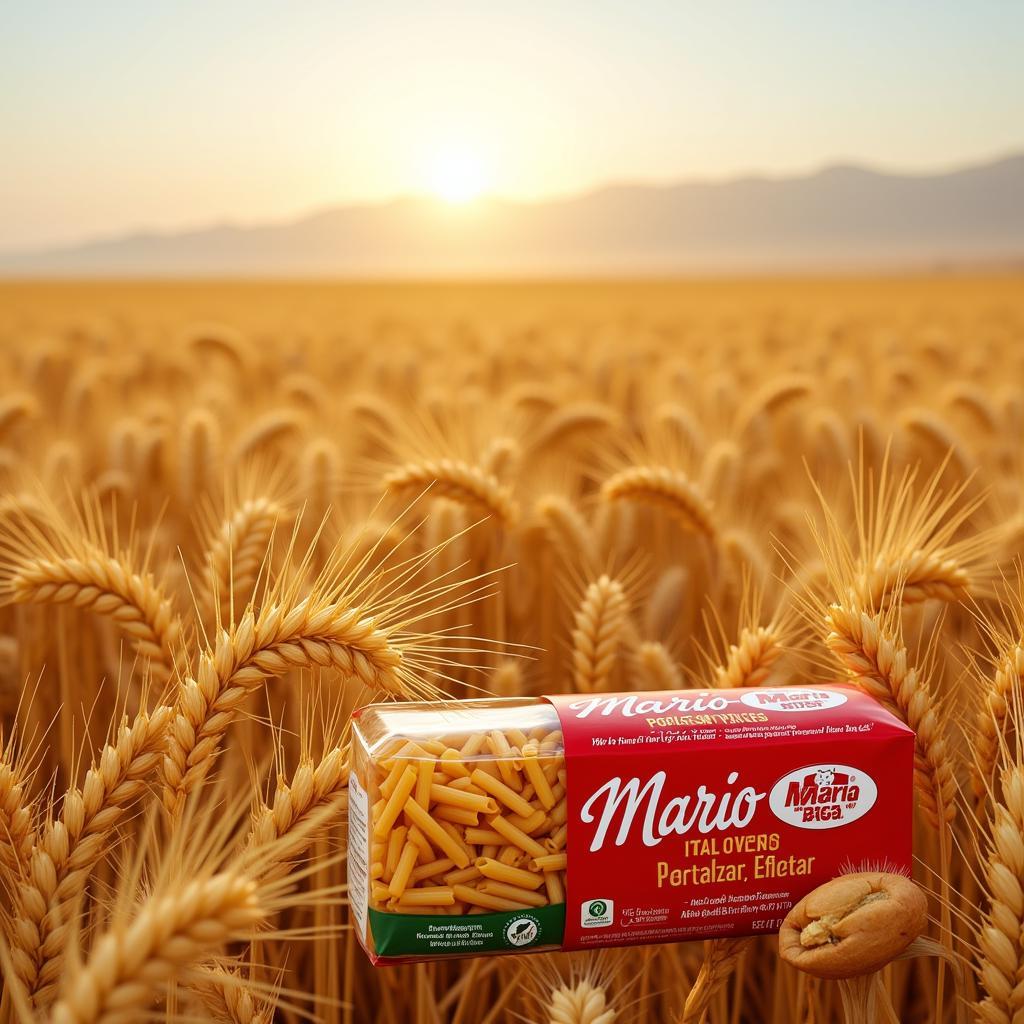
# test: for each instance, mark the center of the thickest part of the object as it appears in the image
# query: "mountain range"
(843, 217)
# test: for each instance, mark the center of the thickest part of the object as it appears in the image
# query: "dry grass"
(232, 513)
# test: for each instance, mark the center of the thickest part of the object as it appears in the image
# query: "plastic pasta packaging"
(577, 822)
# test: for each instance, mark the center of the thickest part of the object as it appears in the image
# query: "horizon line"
(312, 212)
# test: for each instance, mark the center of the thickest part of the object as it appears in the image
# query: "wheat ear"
(319, 477)
(311, 633)
(582, 418)
(228, 998)
(770, 399)
(459, 481)
(584, 1003)
(200, 457)
(15, 407)
(566, 529)
(238, 552)
(657, 668)
(671, 491)
(211, 338)
(999, 934)
(265, 430)
(1007, 681)
(903, 542)
(878, 662)
(975, 401)
(69, 848)
(105, 586)
(313, 788)
(666, 602)
(720, 957)
(128, 965)
(507, 679)
(918, 576)
(599, 624)
(749, 661)
(501, 457)
(16, 818)
(929, 428)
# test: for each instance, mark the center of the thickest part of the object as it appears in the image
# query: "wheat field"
(233, 512)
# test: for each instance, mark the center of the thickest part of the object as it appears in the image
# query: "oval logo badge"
(793, 698)
(823, 796)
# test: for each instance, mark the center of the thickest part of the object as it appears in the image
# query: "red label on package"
(704, 813)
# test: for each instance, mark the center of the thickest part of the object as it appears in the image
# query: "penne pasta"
(491, 902)
(438, 836)
(502, 793)
(392, 809)
(424, 782)
(432, 896)
(550, 862)
(458, 815)
(512, 892)
(506, 873)
(517, 837)
(460, 798)
(406, 862)
(466, 824)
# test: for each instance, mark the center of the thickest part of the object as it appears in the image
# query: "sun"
(457, 175)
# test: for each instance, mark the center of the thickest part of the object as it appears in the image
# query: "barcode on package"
(358, 847)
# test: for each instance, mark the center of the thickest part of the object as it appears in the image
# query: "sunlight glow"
(457, 175)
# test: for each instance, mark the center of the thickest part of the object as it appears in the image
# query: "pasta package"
(584, 821)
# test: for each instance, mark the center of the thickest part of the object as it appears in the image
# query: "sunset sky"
(119, 116)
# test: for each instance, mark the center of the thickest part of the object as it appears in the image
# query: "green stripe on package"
(502, 931)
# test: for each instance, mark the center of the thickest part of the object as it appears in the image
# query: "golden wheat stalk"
(17, 825)
(129, 965)
(359, 620)
(720, 958)
(917, 576)
(16, 408)
(105, 586)
(51, 557)
(583, 1003)
(200, 458)
(501, 458)
(567, 530)
(905, 542)
(771, 398)
(459, 481)
(999, 932)
(281, 826)
(749, 661)
(657, 668)
(1007, 684)
(238, 553)
(668, 490)
(313, 632)
(876, 660)
(599, 624)
(228, 997)
(268, 429)
(666, 602)
(69, 848)
(569, 421)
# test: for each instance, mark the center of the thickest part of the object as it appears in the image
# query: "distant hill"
(842, 217)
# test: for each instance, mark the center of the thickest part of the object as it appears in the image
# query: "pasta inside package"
(590, 820)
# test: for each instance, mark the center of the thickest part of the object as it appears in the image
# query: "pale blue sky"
(115, 116)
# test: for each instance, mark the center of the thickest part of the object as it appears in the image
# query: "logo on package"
(823, 796)
(597, 914)
(523, 930)
(793, 699)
